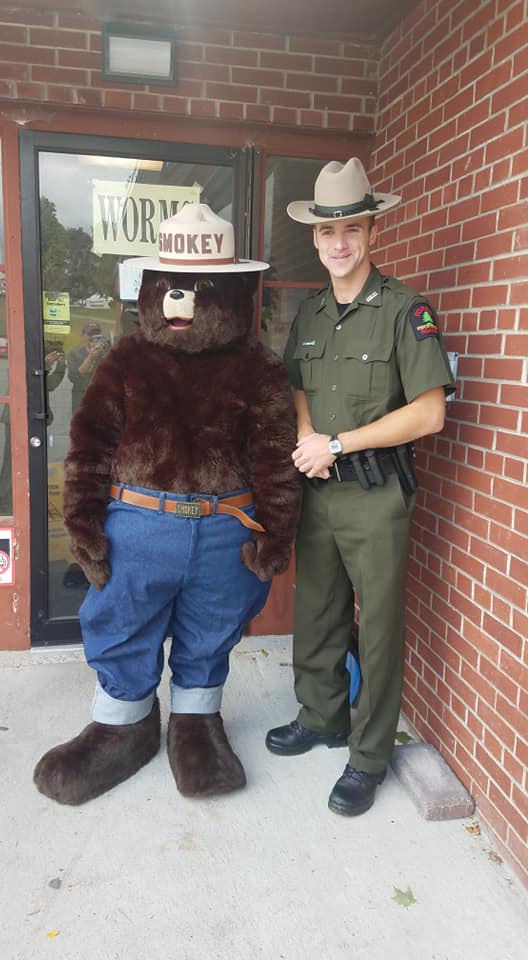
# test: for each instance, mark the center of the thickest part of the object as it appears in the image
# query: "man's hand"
(312, 456)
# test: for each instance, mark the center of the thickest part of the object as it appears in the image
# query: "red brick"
(17, 15)
(511, 93)
(205, 34)
(489, 296)
(77, 22)
(311, 83)
(203, 108)
(286, 61)
(494, 722)
(284, 115)
(231, 111)
(147, 101)
(59, 75)
(494, 246)
(500, 512)
(231, 56)
(174, 105)
(259, 41)
(13, 34)
(224, 91)
(60, 94)
(285, 98)
(258, 113)
(76, 58)
(118, 99)
(14, 71)
(256, 77)
(507, 587)
(340, 104)
(511, 814)
(498, 417)
(216, 72)
(320, 46)
(510, 268)
(58, 39)
(27, 54)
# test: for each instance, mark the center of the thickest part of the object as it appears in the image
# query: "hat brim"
(152, 263)
(301, 210)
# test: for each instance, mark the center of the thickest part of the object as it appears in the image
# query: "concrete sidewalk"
(143, 874)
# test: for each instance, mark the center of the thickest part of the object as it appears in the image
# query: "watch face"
(335, 446)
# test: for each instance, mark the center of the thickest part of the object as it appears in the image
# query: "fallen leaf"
(53, 933)
(474, 829)
(55, 883)
(494, 856)
(404, 898)
(264, 653)
(402, 736)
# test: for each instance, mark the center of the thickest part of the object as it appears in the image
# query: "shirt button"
(338, 326)
(336, 356)
(332, 416)
(365, 356)
(333, 387)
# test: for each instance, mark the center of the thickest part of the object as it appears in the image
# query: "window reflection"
(6, 491)
(279, 306)
(95, 212)
(288, 246)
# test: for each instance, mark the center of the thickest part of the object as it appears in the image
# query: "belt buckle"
(187, 509)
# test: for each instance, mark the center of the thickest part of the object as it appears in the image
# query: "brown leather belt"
(189, 508)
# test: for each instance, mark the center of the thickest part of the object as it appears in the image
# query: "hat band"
(209, 261)
(368, 204)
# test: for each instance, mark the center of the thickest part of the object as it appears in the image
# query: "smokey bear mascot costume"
(181, 500)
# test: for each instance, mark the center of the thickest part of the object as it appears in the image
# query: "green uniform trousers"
(350, 539)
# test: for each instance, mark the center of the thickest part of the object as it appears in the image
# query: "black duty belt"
(371, 467)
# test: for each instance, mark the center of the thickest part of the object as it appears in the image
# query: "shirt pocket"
(310, 360)
(367, 368)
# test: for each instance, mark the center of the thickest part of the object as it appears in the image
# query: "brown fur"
(200, 756)
(98, 759)
(205, 410)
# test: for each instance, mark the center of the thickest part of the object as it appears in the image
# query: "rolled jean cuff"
(106, 709)
(195, 699)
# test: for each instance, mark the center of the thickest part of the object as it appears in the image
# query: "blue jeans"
(171, 576)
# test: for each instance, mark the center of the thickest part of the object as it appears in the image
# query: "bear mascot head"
(181, 501)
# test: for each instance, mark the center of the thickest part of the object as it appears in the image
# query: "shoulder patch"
(423, 320)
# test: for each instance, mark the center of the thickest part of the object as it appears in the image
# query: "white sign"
(7, 571)
(129, 281)
(126, 216)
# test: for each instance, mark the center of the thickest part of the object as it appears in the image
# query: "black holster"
(403, 460)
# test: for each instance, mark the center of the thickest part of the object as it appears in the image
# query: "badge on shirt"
(423, 321)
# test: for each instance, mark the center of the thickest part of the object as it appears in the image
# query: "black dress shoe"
(354, 791)
(293, 738)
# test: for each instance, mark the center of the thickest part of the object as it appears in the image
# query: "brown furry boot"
(201, 757)
(102, 756)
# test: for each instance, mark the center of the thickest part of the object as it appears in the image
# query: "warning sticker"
(6, 556)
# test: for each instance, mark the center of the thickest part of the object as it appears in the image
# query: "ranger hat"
(196, 240)
(342, 192)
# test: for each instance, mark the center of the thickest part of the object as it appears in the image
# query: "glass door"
(88, 204)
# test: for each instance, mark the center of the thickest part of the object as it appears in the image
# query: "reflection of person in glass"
(83, 360)
(55, 367)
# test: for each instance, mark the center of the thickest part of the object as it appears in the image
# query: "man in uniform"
(369, 373)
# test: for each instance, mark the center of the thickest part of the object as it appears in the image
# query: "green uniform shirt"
(381, 353)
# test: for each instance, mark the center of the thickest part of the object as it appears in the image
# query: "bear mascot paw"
(181, 500)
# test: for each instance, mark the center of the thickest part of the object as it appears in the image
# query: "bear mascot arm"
(95, 433)
(275, 486)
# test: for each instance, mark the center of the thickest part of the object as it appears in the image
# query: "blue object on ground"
(353, 668)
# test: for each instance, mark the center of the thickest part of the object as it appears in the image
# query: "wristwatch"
(334, 445)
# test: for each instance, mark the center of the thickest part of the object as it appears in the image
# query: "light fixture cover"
(135, 53)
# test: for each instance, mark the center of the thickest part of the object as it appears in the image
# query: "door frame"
(43, 629)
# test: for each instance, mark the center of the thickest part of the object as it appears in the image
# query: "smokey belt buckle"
(193, 509)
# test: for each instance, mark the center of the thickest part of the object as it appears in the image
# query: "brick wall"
(301, 81)
(452, 138)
